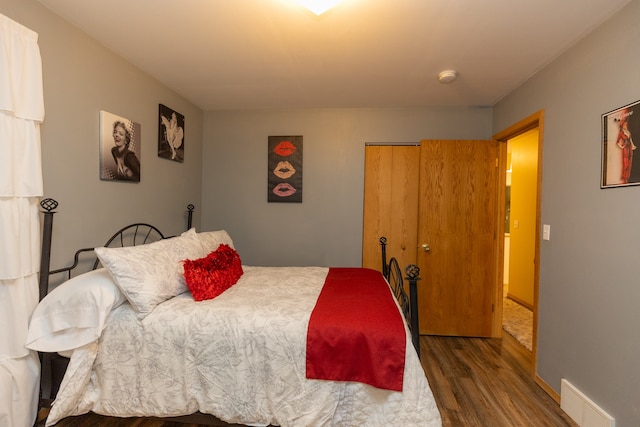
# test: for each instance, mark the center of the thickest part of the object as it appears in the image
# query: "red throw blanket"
(356, 332)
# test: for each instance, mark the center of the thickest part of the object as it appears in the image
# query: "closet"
(437, 204)
(390, 202)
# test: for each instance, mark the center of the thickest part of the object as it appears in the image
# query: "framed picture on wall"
(119, 148)
(284, 169)
(619, 127)
(170, 134)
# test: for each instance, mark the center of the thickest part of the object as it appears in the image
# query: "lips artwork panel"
(284, 169)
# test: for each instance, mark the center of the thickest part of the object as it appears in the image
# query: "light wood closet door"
(390, 203)
(442, 194)
(458, 202)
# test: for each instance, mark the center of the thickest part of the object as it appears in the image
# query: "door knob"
(425, 247)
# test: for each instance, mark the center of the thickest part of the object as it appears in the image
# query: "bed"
(179, 327)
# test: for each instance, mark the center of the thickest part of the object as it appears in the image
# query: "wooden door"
(390, 203)
(457, 220)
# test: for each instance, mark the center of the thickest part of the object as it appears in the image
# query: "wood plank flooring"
(487, 383)
(476, 382)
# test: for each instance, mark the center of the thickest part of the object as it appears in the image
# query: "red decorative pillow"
(210, 276)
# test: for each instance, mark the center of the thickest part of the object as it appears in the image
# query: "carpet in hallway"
(517, 321)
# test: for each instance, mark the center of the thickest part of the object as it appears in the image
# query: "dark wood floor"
(476, 382)
(487, 382)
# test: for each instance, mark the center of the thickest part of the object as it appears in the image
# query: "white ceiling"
(255, 54)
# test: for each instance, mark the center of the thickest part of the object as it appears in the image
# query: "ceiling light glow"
(318, 6)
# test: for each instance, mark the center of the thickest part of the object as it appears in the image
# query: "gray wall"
(80, 79)
(589, 319)
(326, 228)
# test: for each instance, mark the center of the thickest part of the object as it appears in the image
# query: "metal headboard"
(131, 235)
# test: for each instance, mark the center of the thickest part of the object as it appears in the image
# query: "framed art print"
(119, 148)
(619, 127)
(170, 134)
(284, 169)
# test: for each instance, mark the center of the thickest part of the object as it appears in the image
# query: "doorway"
(520, 234)
(521, 154)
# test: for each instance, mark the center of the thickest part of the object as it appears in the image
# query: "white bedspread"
(240, 357)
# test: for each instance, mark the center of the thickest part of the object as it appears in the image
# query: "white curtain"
(21, 112)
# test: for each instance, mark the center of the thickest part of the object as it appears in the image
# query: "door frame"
(535, 120)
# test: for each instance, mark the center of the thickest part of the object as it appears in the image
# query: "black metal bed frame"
(408, 303)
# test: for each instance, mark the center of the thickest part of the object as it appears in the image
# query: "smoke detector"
(447, 76)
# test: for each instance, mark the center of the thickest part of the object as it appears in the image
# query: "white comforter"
(240, 357)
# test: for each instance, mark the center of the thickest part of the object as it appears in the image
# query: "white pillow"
(152, 273)
(74, 313)
(210, 240)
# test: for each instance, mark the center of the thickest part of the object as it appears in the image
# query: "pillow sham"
(210, 240)
(74, 313)
(210, 276)
(152, 273)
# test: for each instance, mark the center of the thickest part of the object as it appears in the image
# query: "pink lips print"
(284, 189)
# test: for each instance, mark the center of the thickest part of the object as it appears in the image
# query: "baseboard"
(584, 411)
(519, 301)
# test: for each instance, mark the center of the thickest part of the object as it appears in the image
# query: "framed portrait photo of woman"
(119, 148)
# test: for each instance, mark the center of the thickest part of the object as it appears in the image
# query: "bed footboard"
(408, 302)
